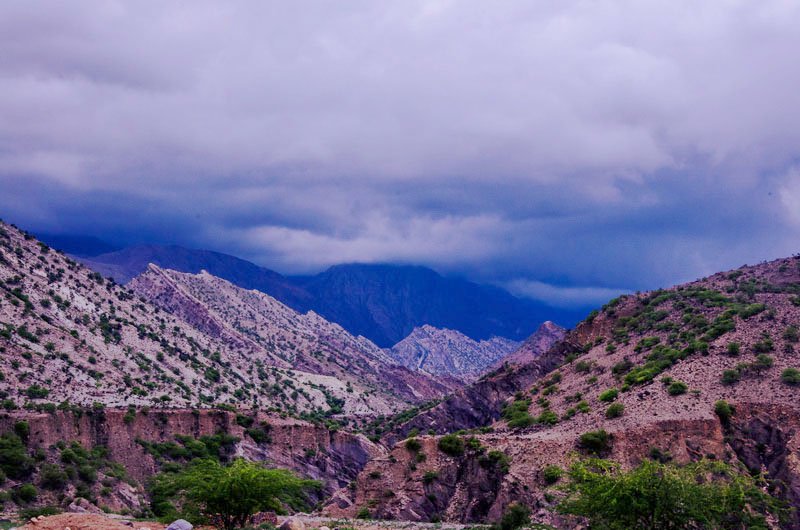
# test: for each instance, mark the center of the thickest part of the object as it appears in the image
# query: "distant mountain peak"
(447, 352)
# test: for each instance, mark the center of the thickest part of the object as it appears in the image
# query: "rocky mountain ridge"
(381, 302)
(446, 352)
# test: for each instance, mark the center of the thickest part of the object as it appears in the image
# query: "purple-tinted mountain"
(126, 264)
(386, 302)
(381, 302)
(76, 245)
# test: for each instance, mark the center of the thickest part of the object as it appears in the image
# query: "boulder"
(81, 505)
(180, 524)
(293, 524)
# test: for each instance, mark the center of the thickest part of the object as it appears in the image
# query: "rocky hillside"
(381, 302)
(66, 333)
(443, 352)
(304, 342)
(542, 340)
(645, 374)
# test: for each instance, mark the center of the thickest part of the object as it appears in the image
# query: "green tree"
(515, 516)
(237, 491)
(662, 496)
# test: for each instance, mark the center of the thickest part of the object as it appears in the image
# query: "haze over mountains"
(384, 303)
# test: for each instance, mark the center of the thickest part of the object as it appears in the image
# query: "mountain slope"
(381, 302)
(305, 342)
(441, 352)
(386, 302)
(664, 359)
(68, 334)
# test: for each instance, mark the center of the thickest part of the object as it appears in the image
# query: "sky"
(567, 150)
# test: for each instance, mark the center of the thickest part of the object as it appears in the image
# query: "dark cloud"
(564, 149)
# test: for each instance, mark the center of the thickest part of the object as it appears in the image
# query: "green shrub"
(413, 445)
(495, 460)
(52, 477)
(698, 495)
(430, 476)
(516, 414)
(363, 513)
(615, 410)
(23, 430)
(734, 349)
(724, 411)
(515, 516)
(547, 417)
(595, 442)
(622, 367)
(763, 362)
(791, 334)
(609, 395)
(730, 377)
(552, 474)
(26, 493)
(14, 459)
(36, 392)
(451, 444)
(791, 376)
(676, 388)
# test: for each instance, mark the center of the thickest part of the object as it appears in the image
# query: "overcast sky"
(567, 150)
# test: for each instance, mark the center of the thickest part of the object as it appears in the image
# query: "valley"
(108, 389)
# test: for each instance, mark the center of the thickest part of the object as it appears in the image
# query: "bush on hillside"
(595, 442)
(451, 444)
(655, 495)
(676, 388)
(791, 376)
(609, 395)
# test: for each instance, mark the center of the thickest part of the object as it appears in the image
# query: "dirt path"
(84, 521)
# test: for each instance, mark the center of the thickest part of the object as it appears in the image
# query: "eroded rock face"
(476, 488)
(334, 458)
(766, 438)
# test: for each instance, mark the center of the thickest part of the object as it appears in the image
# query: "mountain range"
(179, 339)
(382, 302)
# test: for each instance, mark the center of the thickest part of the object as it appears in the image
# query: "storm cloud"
(565, 149)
